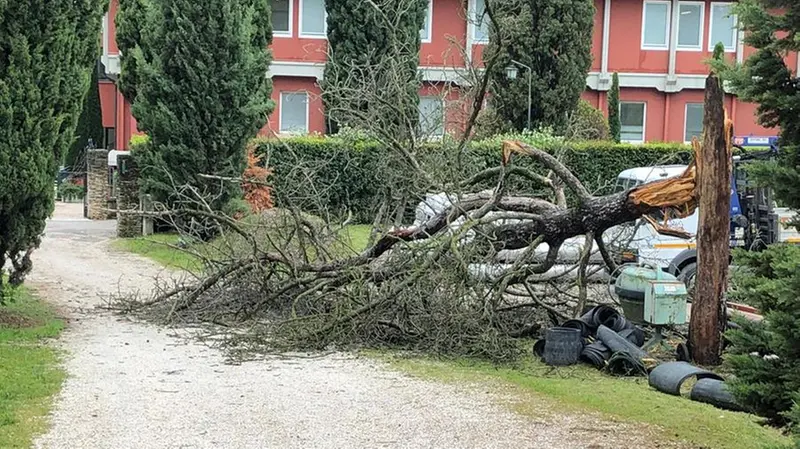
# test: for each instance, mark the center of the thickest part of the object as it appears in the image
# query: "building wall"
(316, 117)
(644, 74)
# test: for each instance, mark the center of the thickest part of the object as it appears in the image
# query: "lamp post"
(511, 73)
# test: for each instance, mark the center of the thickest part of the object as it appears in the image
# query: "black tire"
(688, 274)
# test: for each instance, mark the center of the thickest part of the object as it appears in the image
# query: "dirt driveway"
(133, 385)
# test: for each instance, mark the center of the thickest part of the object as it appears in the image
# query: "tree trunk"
(713, 237)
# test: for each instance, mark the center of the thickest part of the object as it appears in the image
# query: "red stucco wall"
(112, 27)
(316, 118)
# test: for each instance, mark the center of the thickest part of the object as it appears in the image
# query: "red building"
(658, 47)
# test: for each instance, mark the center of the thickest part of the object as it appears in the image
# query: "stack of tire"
(601, 337)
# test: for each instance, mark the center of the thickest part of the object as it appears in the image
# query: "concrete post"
(128, 224)
(97, 188)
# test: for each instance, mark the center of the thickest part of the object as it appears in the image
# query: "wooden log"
(713, 237)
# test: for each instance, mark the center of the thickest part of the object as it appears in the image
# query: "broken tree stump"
(713, 236)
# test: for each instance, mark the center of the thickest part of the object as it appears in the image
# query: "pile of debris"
(604, 338)
(601, 337)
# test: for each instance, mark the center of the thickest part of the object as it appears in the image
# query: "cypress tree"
(613, 109)
(765, 79)
(554, 38)
(373, 51)
(132, 23)
(47, 50)
(201, 92)
(765, 356)
(90, 126)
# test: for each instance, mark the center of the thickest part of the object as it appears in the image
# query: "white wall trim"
(281, 34)
(444, 75)
(740, 46)
(105, 34)
(606, 32)
(658, 81)
(797, 72)
(280, 112)
(429, 38)
(673, 38)
(305, 35)
(297, 69)
(112, 64)
(316, 70)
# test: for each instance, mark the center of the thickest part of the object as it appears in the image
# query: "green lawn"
(160, 248)
(29, 369)
(583, 389)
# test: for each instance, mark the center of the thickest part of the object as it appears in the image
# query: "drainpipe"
(667, 101)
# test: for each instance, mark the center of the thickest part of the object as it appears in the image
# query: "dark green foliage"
(373, 55)
(587, 123)
(554, 38)
(770, 282)
(90, 126)
(201, 92)
(765, 79)
(719, 51)
(770, 387)
(47, 50)
(132, 23)
(613, 109)
(337, 175)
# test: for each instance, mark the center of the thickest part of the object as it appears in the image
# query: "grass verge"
(582, 389)
(29, 369)
(161, 247)
(157, 248)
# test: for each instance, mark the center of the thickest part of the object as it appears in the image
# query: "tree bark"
(713, 237)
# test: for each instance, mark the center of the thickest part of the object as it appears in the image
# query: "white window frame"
(473, 24)
(280, 114)
(700, 32)
(291, 24)
(306, 35)
(686, 119)
(443, 118)
(711, 45)
(644, 120)
(427, 39)
(646, 46)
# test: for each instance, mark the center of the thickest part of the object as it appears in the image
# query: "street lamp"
(511, 73)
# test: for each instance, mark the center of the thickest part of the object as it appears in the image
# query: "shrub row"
(333, 175)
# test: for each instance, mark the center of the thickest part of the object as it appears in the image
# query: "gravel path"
(133, 385)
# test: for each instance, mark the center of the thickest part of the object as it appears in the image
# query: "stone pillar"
(128, 224)
(97, 188)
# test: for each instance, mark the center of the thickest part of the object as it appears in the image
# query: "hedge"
(333, 175)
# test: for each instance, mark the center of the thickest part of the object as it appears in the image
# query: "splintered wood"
(676, 196)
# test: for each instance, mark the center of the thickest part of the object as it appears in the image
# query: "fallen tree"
(412, 287)
(285, 280)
